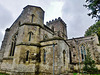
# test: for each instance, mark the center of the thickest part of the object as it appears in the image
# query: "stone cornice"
(8, 58)
(43, 27)
(29, 44)
(55, 38)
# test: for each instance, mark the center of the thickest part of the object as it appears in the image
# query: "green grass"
(74, 73)
(85, 74)
(4, 74)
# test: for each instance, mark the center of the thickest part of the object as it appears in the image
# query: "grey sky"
(75, 15)
(71, 11)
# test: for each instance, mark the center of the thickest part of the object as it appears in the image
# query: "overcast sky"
(71, 11)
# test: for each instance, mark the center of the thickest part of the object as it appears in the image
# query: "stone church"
(30, 47)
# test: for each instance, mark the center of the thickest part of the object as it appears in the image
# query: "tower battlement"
(55, 20)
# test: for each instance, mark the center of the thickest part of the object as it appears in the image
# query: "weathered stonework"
(91, 43)
(27, 48)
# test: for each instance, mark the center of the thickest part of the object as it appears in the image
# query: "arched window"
(32, 18)
(44, 56)
(11, 49)
(30, 35)
(13, 44)
(14, 48)
(27, 54)
(64, 56)
(83, 52)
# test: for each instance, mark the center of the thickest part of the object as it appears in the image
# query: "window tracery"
(83, 52)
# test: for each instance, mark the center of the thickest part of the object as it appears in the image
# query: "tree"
(94, 6)
(94, 29)
(89, 64)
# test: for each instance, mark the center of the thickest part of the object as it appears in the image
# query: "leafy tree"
(94, 6)
(89, 64)
(94, 29)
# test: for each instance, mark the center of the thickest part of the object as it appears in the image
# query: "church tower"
(59, 27)
(29, 45)
(22, 47)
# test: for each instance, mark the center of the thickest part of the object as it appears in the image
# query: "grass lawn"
(85, 74)
(3, 74)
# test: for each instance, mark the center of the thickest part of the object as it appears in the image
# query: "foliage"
(94, 29)
(94, 6)
(3, 73)
(89, 64)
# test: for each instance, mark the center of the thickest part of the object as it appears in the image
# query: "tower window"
(27, 54)
(32, 18)
(30, 35)
(64, 56)
(13, 46)
(44, 56)
(11, 49)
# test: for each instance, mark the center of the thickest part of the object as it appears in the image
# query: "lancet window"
(13, 44)
(30, 35)
(64, 56)
(83, 52)
(27, 55)
(44, 56)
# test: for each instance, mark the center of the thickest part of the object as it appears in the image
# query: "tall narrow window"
(83, 52)
(70, 56)
(64, 56)
(27, 54)
(30, 35)
(11, 49)
(44, 56)
(13, 46)
(32, 18)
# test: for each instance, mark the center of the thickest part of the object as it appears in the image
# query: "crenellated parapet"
(55, 20)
